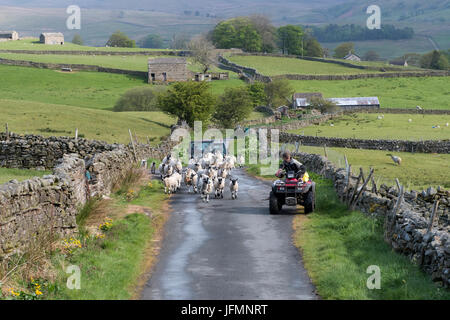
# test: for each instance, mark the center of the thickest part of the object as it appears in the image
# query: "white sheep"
(170, 184)
(397, 160)
(234, 188)
(223, 173)
(178, 178)
(447, 124)
(207, 188)
(409, 120)
(219, 186)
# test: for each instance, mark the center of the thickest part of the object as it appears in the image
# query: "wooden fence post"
(433, 216)
(76, 134)
(325, 151)
(350, 199)
(355, 202)
(389, 225)
(132, 143)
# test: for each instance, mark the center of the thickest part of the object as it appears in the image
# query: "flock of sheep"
(203, 175)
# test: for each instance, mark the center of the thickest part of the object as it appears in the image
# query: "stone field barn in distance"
(167, 69)
(52, 38)
(8, 35)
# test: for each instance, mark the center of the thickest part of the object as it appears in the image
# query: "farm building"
(402, 63)
(8, 35)
(358, 102)
(352, 57)
(167, 69)
(301, 100)
(52, 38)
(211, 76)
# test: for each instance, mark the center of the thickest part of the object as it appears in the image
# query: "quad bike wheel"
(310, 202)
(274, 204)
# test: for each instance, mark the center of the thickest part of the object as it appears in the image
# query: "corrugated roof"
(357, 101)
(307, 95)
(167, 61)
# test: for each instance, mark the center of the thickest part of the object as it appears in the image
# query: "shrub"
(324, 105)
(139, 99)
(234, 105)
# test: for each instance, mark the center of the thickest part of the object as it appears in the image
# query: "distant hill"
(430, 19)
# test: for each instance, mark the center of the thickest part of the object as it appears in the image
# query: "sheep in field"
(234, 188)
(397, 160)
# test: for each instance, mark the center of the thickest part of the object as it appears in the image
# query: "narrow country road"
(228, 249)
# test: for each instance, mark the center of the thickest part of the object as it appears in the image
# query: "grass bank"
(114, 250)
(338, 246)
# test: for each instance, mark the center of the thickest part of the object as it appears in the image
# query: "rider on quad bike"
(295, 189)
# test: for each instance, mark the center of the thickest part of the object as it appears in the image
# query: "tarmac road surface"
(228, 249)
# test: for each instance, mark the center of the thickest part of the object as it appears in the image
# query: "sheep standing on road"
(170, 184)
(207, 188)
(219, 186)
(153, 168)
(234, 188)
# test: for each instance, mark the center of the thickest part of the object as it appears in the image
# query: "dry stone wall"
(413, 233)
(429, 146)
(49, 205)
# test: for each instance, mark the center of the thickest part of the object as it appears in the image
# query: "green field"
(62, 120)
(272, 66)
(418, 170)
(7, 174)
(428, 92)
(129, 62)
(34, 45)
(392, 126)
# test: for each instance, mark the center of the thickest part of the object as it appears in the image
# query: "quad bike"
(292, 191)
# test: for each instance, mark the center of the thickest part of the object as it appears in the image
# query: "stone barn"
(9, 35)
(167, 69)
(52, 38)
(352, 57)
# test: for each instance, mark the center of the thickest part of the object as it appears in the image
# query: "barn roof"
(351, 54)
(52, 34)
(306, 95)
(167, 61)
(397, 62)
(358, 101)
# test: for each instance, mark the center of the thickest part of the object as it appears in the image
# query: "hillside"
(430, 19)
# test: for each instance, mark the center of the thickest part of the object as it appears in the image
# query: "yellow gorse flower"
(38, 293)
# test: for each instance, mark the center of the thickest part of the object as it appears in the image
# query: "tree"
(179, 41)
(324, 105)
(119, 39)
(313, 48)
(290, 39)
(371, 56)
(77, 40)
(151, 41)
(202, 52)
(237, 33)
(140, 99)
(234, 105)
(434, 60)
(266, 30)
(257, 93)
(344, 49)
(278, 92)
(189, 101)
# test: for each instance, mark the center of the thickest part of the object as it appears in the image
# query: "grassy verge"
(338, 246)
(115, 249)
(7, 174)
